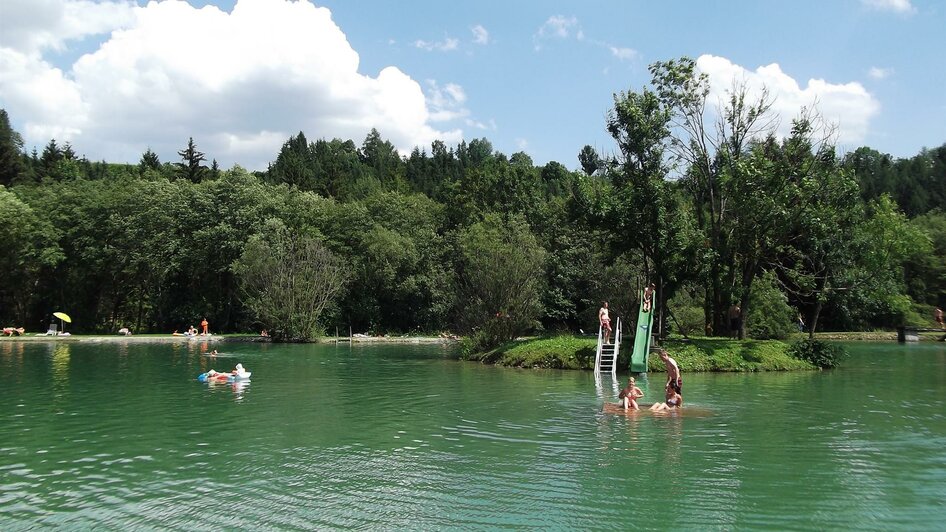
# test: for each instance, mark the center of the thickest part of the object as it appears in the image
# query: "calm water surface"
(117, 436)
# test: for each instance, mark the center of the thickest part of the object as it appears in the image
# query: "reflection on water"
(60, 366)
(406, 437)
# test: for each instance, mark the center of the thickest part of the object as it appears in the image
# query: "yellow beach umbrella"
(62, 317)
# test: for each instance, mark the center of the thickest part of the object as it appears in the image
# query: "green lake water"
(122, 436)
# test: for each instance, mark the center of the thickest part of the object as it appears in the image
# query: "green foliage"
(11, 144)
(558, 352)
(686, 307)
(288, 280)
(926, 265)
(704, 354)
(819, 353)
(149, 161)
(500, 281)
(399, 259)
(717, 354)
(190, 167)
(917, 184)
(153, 246)
(30, 248)
(770, 316)
(589, 160)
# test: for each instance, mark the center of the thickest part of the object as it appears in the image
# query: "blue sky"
(116, 78)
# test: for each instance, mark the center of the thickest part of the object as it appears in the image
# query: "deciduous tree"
(288, 280)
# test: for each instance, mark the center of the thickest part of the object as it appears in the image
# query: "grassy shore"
(697, 354)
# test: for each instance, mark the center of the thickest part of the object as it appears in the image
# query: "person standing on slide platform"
(605, 321)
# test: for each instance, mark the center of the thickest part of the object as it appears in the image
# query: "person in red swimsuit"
(605, 321)
(204, 325)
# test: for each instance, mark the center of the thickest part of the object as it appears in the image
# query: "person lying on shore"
(11, 331)
(629, 395)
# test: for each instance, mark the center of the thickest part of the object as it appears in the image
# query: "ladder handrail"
(598, 352)
(616, 346)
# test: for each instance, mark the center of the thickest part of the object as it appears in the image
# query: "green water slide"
(642, 339)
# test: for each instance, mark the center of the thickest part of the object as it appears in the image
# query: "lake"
(122, 436)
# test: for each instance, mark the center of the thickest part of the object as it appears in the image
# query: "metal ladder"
(606, 355)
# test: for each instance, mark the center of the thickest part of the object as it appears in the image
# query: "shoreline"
(145, 338)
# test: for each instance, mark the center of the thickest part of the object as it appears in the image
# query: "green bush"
(687, 307)
(821, 354)
(770, 316)
(475, 345)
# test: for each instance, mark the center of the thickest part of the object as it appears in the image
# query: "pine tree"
(149, 161)
(11, 145)
(190, 168)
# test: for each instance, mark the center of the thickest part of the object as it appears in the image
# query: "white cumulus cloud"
(848, 105)
(446, 102)
(239, 83)
(31, 26)
(480, 35)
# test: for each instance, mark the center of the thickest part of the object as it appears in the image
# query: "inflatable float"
(237, 375)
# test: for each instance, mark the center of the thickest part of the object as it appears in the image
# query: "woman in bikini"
(673, 401)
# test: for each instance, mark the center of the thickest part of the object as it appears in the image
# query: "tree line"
(714, 208)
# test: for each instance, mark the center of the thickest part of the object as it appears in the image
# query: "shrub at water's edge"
(822, 354)
(560, 352)
(703, 354)
(722, 354)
